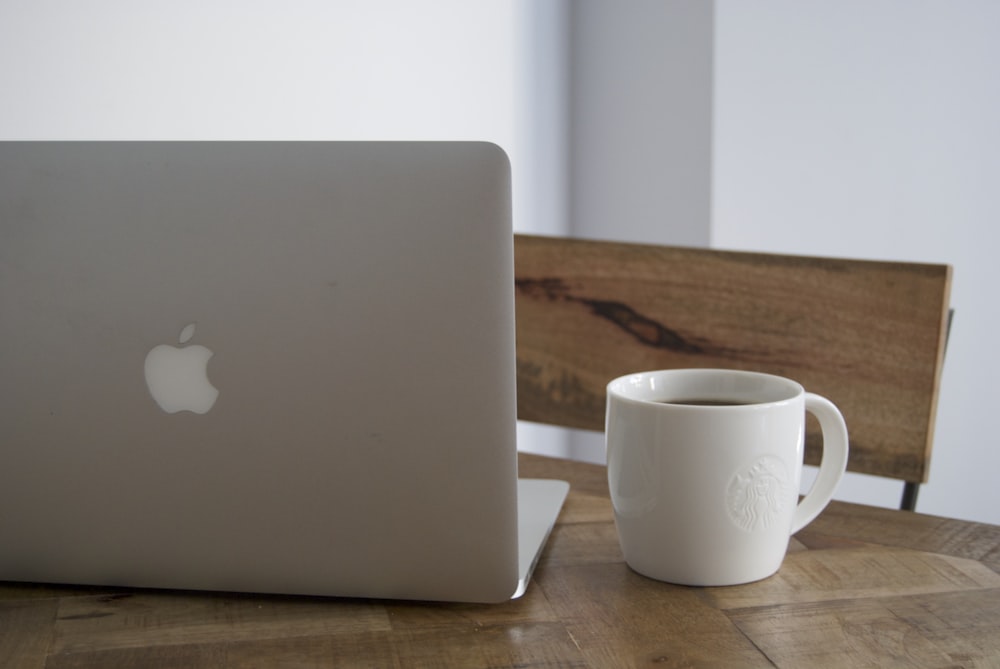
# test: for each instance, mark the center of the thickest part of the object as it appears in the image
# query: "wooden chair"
(870, 336)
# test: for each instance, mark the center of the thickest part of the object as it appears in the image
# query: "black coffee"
(706, 402)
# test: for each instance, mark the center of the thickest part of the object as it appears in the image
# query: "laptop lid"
(269, 367)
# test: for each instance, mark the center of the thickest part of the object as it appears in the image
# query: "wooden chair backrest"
(870, 336)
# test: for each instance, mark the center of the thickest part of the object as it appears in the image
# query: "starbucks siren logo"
(758, 495)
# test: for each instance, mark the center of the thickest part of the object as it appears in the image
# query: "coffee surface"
(706, 402)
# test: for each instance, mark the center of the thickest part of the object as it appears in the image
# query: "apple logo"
(177, 377)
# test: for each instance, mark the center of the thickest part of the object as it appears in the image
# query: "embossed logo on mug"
(757, 496)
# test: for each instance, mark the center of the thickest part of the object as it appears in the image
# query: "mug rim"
(617, 388)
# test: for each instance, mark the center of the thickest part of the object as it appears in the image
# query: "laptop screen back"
(275, 367)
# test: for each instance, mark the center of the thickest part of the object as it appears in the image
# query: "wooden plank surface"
(859, 587)
(868, 335)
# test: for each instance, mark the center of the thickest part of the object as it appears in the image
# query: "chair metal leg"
(909, 501)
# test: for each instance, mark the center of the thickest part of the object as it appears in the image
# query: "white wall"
(258, 69)
(640, 120)
(872, 130)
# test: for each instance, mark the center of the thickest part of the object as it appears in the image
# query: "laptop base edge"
(539, 502)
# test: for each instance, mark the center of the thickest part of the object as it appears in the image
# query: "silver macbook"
(266, 367)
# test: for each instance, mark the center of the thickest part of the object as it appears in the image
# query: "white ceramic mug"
(707, 494)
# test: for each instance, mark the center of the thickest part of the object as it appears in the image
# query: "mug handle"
(833, 464)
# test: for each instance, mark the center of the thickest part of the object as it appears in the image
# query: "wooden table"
(860, 587)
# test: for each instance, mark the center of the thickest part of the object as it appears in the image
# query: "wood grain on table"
(860, 586)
